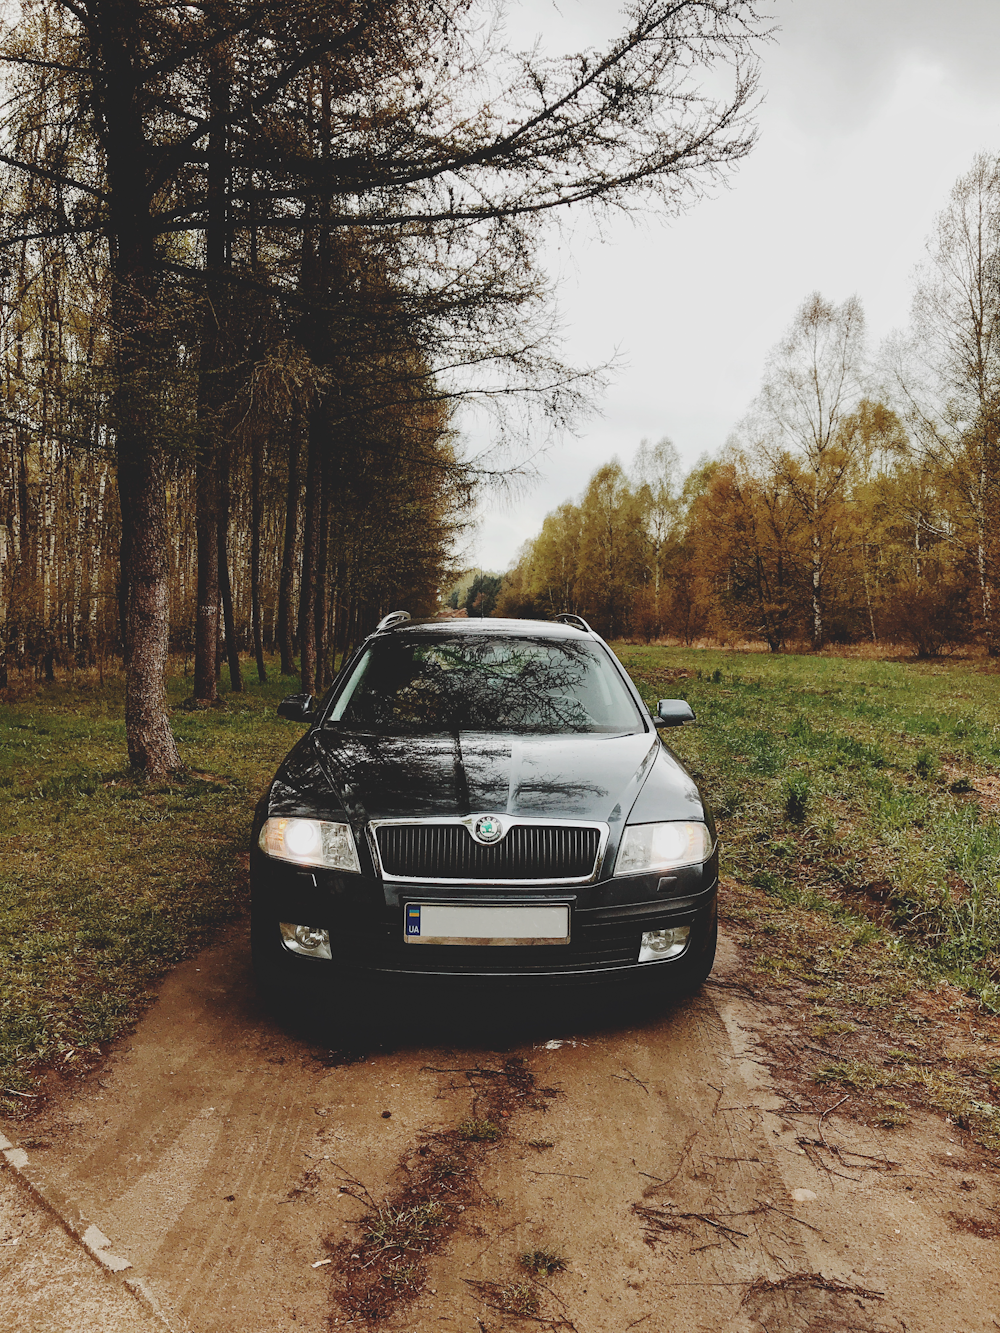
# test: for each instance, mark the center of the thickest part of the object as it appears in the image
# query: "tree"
(481, 599)
(655, 475)
(876, 441)
(611, 561)
(948, 373)
(814, 378)
(749, 529)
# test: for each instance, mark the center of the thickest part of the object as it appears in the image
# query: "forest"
(256, 259)
(858, 501)
(259, 259)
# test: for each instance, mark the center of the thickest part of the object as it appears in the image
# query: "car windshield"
(472, 683)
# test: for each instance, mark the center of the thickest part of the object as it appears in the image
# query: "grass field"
(862, 793)
(105, 882)
(867, 788)
(858, 804)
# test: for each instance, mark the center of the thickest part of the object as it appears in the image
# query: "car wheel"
(675, 980)
(319, 1007)
(271, 986)
(696, 971)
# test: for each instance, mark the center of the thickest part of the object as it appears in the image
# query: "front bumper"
(364, 918)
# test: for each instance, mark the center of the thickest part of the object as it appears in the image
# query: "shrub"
(930, 614)
(795, 790)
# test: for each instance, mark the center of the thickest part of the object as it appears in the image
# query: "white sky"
(873, 108)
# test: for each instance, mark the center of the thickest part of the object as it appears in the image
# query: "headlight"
(310, 842)
(662, 847)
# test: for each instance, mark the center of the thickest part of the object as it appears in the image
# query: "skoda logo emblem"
(488, 828)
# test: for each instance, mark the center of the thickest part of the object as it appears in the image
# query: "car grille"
(528, 852)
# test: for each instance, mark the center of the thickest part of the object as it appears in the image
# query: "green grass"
(543, 1263)
(849, 785)
(104, 882)
(479, 1131)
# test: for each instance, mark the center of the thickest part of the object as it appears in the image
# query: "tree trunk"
(256, 521)
(322, 575)
(225, 587)
(868, 594)
(287, 578)
(135, 312)
(310, 556)
(817, 565)
(986, 593)
(985, 590)
(817, 593)
(212, 391)
(990, 536)
(206, 635)
(152, 750)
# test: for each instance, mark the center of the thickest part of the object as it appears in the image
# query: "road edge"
(85, 1233)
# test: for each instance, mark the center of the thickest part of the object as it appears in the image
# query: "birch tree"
(947, 370)
(814, 379)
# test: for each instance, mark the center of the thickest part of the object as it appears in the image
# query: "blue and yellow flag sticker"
(413, 918)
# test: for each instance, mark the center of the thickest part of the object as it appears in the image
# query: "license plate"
(452, 923)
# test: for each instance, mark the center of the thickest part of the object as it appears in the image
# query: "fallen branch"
(819, 1124)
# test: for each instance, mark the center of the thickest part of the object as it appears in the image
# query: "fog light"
(313, 941)
(659, 945)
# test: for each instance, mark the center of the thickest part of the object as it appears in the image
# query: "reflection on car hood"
(593, 777)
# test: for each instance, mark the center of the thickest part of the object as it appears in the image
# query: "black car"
(482, 799)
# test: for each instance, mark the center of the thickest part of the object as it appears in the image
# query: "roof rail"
(393, 618)
(577, 622)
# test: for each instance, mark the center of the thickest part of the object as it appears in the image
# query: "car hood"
(592, 777)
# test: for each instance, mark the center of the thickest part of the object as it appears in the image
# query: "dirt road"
(229, 1164)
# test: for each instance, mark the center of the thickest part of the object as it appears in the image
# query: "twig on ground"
(568, 1175)
(793, 1218)
(712, 1223)
(819, 1125)
(633, 1077)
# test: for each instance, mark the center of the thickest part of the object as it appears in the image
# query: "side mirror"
(672, 713)
(296, 708)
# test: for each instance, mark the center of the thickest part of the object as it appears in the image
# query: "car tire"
(271, 985)
(677, 980)
(697, 970)
(318, 1007)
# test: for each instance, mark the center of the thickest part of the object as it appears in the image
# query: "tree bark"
(256, 521)
(135, 293)
(817, 593)
(323, 575)
(225, 587)
(206, 635)
(212, 390)
(310, 555)
(152, 750)
(990, 536)
(817, 564)
(286, 581)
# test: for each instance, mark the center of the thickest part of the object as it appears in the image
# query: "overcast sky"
(872, 109)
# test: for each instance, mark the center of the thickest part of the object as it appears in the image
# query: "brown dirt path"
(682, 1190)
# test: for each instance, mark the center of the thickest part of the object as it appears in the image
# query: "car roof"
(489, 626)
